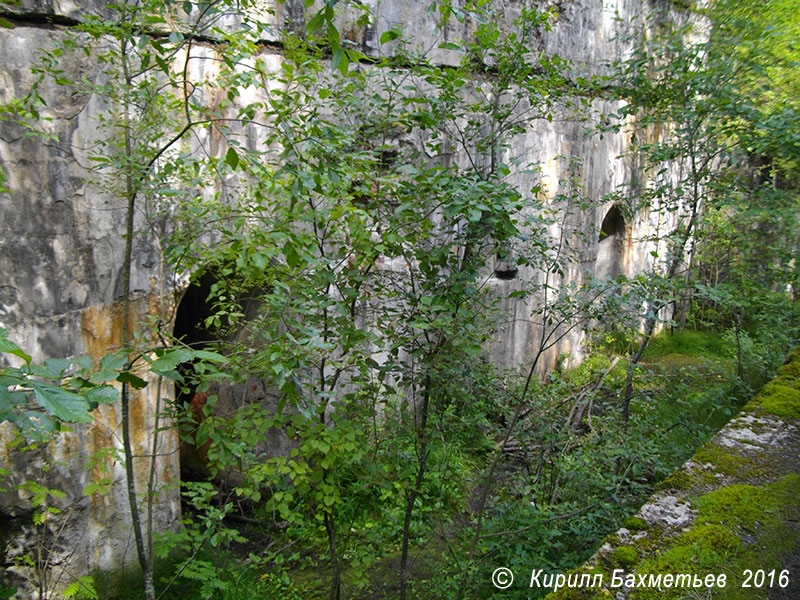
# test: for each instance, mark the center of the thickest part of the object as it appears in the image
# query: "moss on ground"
(687, 342)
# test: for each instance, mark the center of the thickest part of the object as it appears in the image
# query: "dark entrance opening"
(190, 317)
(613, 224)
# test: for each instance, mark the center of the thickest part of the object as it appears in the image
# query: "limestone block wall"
(61, 238)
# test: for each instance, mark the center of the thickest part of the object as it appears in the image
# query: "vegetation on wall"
(348, 253)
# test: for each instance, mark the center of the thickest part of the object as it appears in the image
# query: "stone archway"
(609, 262)
(189, 328)
(230, 396)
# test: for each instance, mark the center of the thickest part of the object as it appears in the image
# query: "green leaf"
(388, 36)
(8, 401)
(161, 64)
(10, 347)
(451, 46)
(171, 359)
(84, 362)
(57, 365)
(338, 57)
(231, 158)
(132, 380)
(104, 394)
(35, 424)
(345, 64)
(62, 404)
(292, 259)
(8, 25)
(172, 375)
(315, 24)
(333, 36)
(209, 356)
(107, 369)
(91, 488)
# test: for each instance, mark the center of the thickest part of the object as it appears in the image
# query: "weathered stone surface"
(669, 510)
(92, 529)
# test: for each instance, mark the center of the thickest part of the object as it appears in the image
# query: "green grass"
(239, 582)
(705, 344)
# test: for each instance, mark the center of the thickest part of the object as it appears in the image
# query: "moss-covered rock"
(738, 527)
(680, 480)
(725, 462)
(791, 367)
(624, 556)
(635, 524)
(738, 505)
(780, 400)
(718, 538)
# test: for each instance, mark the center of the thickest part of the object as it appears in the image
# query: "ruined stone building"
(63, 237)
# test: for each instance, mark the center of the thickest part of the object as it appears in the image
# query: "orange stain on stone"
(101, 332)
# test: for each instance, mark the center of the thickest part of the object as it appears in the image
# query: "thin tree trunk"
(130, 193)
(330, 527)
(414, 493)
(650, 322)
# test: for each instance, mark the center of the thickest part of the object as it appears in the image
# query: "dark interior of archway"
(192, 312)
(613, 223)
(190, 317)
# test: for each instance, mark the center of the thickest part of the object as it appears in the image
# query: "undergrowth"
(566, 480)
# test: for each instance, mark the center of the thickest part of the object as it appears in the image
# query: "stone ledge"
(733, 507)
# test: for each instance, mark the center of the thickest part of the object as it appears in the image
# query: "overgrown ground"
(565, 481)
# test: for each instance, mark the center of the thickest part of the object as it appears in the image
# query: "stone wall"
(62, 240)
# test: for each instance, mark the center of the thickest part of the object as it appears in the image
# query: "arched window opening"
(505, 269)
(613, 224)
(505, 262)
(610, 246)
